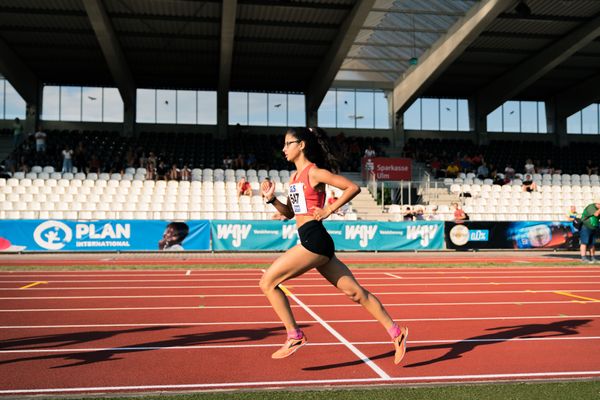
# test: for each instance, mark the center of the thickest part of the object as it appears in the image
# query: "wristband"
(272, 200)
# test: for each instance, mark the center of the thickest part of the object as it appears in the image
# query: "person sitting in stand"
(528, 184)
(244, 188)
(459, 214)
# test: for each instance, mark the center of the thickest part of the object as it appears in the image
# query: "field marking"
(399, 277)
(444, 378)
(276, 345)
(320, 278)
(304, 294)
(188, 272)
(32, 284)
(578, 297)
(312, 286)
(353, 321)
(382, 374)
(241, 307)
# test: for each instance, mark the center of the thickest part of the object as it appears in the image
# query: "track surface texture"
(527, 316)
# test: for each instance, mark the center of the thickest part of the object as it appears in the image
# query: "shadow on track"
(109, 354)
(456, 349)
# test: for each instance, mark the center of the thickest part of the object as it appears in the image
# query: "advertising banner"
(510, 235)
(104, 235)
(253, 235)
(387, 169)
(347, 235)
(386, 236)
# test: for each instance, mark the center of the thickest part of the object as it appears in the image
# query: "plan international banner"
(347, 235)
(105, 235)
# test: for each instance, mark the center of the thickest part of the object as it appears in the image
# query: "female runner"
(308, 149)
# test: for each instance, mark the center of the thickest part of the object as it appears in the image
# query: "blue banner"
(253, 235)
(105, 235)
(347, 235)
(386, 236)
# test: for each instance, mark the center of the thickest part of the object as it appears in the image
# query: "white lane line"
(510, 303)
(305, 294)
(340, 321)
(276, 345)
(382, 374)
(427, 274)
(308, 286)
(399, 277)
(302, 279)
(444, 378)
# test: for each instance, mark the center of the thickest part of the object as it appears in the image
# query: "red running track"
(142, 331)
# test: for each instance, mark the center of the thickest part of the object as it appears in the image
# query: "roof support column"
(115, 58)
(227, 39)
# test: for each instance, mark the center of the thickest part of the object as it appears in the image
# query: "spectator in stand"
(509, 172)
(548, 168)
(251, 160)
(466, 164)
(497, 178)
(67, 155)
(174, 174)
(152, 159)
(436, 167)
(186, 173)
(408, 214)
(94, 164)
(80, 157)
(588, 231)
(529, 167)
(482, 171)
(419, 214)
(572, 214)
(591, 167)
(161, 170)
(452, 170)
(370, 152)
(150, 170)
(227, 162)
(244, 188)
(433, 214)
(332, 198)
(238, 163)
(17, 132)
(528, 184)
(10, 164)
(143, 160)
(40, 140)
(459, 214)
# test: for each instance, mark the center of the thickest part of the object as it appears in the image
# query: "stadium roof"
(491, 50)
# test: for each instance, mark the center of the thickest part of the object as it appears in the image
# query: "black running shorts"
(315, 238)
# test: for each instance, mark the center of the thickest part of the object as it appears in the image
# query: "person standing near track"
(587, 234)
(309, 150)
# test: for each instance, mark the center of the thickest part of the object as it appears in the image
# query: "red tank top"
(303, 197)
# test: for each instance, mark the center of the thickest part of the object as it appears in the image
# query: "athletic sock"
(295, 334)
(394, 331)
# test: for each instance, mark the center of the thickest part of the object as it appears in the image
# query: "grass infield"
(580, 390)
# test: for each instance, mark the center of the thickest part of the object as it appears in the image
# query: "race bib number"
(297, 198)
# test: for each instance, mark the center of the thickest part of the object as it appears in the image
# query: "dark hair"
(316, 148)
(181, 230)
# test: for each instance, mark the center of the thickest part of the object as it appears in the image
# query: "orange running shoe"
(290, 347)
(400, 345)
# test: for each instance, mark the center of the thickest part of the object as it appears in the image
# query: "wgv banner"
(386, 236)
(109, 235)
(253, 235)
(347, 235)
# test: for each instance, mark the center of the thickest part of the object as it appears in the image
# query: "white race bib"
(297, 198)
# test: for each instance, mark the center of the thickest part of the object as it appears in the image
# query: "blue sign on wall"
(104, 235)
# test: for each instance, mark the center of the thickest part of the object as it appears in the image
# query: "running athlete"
(308, 149)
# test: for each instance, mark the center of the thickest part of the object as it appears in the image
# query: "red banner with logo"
(387, 169)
